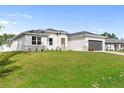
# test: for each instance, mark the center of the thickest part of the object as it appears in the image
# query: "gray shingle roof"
(34, 31)
(40, 31)
(54, 30)
(113, 41)
(83, 33)
(45, 31)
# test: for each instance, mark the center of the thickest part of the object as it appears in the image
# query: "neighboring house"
(5, 48)
(114, 44)
(51, 39)
(38, 40)
(84, 41)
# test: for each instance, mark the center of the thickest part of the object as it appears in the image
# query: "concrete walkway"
(114, 52)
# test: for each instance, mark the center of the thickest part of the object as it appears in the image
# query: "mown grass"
(122, 51)
(61, 69)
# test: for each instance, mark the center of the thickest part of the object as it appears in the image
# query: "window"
(50, 41)
(63, 41)
(33, 40)
(36, 40)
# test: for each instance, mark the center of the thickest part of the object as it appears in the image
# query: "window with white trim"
(36, 40)
(50, 41)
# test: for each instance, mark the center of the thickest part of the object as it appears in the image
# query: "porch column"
(110, 47)
(119, 47)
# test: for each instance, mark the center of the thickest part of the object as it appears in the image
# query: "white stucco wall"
(57, 41)
(25, 42)
(66, 40)
(80, 43)
(28, 39)
(75, 43)
(18, 44)
(28, 42)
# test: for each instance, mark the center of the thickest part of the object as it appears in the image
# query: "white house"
(5, 48)
(114, 44)
(51, 39)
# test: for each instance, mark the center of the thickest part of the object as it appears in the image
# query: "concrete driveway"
(114, 52)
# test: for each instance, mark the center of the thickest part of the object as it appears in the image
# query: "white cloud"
(13, 14)
(27, 16)
(10, 27)
(100, 29)
(14, 23)
(4, 22)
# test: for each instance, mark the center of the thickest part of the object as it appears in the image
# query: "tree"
(1, 28)
(109, 35)
(114, 36)
(122, 39)
(5, 38)
(1, 39)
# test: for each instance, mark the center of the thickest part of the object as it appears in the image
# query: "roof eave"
(21, 34)
(98, 36)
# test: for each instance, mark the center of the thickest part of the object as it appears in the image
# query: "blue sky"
(96, 19)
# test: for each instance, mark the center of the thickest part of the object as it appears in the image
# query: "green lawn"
(61, 69)
(122, 51)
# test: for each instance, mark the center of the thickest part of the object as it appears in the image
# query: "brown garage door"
(96, 45)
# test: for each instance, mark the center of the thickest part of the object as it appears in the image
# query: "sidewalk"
(114, 52)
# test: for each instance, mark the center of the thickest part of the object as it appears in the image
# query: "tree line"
(109, 35)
